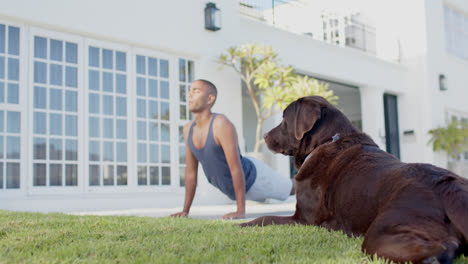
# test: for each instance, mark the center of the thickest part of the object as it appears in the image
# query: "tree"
(277, 85)
(452, 139)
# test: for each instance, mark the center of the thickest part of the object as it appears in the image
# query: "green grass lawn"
(59, 238)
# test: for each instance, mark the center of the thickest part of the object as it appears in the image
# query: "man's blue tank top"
(215, 166)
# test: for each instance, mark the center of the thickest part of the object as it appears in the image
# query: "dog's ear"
(306, 114)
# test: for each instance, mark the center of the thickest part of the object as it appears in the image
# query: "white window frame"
(17, 108)
(38, 190)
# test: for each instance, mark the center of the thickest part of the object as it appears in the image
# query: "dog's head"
(307, 123)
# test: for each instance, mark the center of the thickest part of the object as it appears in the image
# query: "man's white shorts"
(268, 184)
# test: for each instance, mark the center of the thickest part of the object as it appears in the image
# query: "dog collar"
(334, 138)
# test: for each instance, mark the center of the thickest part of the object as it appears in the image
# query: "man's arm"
(226, 137)
(190, 175)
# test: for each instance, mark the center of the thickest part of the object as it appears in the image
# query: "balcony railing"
(343, 31)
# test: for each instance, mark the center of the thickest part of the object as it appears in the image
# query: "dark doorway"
(392, 138)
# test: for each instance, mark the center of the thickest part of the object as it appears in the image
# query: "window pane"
(13, 175)
(1, 147)
(166, 176)
(182, 176)
(55, 74)
(55, 99)
(55, 174)
(141, 152)
(140, 64)
(153, 131)
(71, 150)
(2, 67)
(152, 67)
(108, 128)
(121, 175)
(107, 59)
(182, 154)
(121, 130)
(93, 56)
(165, 133)
(40, 72)
(108, 175)
(121, 152)
(182, 70)
(154, 175)
(141, 130)
(94, 151)
(40, 123)
(56, 50)
(71, 77)
(141, 86)
(165, 154)
(182, 93)
(164, 111)
(94, 175)
(1, 120)
(40, 47)
(121, 61)
(1, 173)
(94, 103)
(40, 97)
(141, 108)
(164, 68)
(152, 109)
(181, 134)
(142, 177)
(94, 127)
(2, 38)
(39, 175)
(93, 80)
(121, 106)
(153, 88)
(71, 125)
(107, 82)
(2, 92)
(13, 93)
(71, 53)
(71, 175)
(13, 40)
(108, 104)
(13, 122)
(55, 124)
(55, 149)
(13, 147)
(13, 69)
(154, 153)
(71, 101)
(164, 86)
(183, 112)
(190, 71)
(40, 148)
(108, 151)
(121, 83)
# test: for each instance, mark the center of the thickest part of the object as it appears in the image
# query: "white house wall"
(176, 29)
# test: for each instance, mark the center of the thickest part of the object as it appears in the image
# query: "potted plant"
(270, 86)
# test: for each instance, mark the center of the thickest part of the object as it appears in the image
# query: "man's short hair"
(212, 87)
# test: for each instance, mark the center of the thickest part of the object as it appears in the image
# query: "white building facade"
(93, 93)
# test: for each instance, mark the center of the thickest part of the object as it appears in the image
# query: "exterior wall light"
(442, 82)
(212, 17)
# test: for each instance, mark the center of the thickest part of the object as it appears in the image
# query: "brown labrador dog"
(406, 212)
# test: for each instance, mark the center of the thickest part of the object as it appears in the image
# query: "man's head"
(202, 95)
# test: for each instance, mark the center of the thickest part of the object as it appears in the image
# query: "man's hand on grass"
(180, 214)
(234, 215)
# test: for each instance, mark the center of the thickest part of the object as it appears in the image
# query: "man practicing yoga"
(211, 139)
